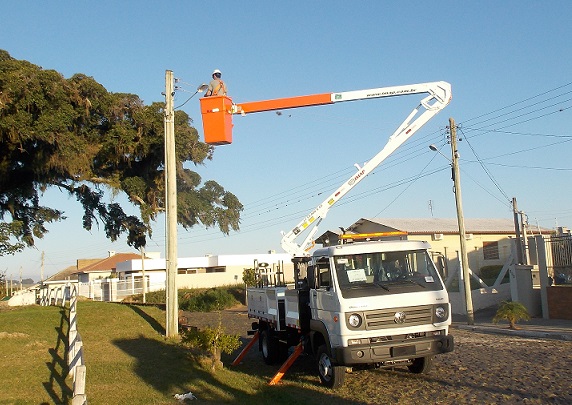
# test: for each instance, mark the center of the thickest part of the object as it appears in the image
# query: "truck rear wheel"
(421, 365)
(331, 376)
(269, 346)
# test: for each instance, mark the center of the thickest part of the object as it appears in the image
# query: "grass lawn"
(129, 361)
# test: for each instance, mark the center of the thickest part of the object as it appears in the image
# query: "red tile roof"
(109, 263)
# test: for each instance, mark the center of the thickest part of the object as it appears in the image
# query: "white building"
(204, 271)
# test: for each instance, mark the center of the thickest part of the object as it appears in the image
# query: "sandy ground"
(484, 368)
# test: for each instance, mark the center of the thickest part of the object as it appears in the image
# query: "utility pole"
(172, 321)
(461, 220)
(525, 250)
(42, 269)
(519, 254)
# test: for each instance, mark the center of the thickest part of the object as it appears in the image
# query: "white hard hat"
(216, 71)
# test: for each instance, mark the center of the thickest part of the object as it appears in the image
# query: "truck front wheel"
(269, 346)
(421, 365)
(331, 376)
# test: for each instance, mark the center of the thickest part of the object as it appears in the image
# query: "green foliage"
(207, 300)
(490, 272)
(74, 135)
(249, 276)
(197, 299)
(6, 232)
(214, 341)
(511, 311)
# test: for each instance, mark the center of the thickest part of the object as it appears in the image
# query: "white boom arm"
(438, 98)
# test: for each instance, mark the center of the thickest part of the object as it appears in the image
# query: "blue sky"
(508, 62)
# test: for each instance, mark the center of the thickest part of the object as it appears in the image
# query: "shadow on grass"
(168, 368)
(157, 327)
(171, 369)
(57, 386)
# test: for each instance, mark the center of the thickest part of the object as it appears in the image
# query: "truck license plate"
(403, 351)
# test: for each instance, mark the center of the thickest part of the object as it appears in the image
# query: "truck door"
(323, 300)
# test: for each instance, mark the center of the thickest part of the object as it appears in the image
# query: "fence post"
(79, 397)
(543, 274)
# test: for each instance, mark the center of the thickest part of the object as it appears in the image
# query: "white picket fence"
(115, 290)
(54, 294)
(76, 363)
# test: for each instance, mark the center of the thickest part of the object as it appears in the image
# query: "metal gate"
(560, 258)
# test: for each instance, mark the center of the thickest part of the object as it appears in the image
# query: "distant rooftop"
(446, 225)
(108, 263)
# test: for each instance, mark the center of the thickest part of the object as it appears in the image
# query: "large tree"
(74, 135)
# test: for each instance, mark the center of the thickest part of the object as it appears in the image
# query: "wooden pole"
(461, 220)
(172, 326)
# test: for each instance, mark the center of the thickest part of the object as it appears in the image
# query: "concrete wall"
(482, 298)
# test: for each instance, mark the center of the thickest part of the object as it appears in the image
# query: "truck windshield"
(390, 272)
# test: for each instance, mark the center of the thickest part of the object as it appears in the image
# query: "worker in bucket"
(216, 86)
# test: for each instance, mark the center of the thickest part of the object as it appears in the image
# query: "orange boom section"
(283, 103)
(217, 112)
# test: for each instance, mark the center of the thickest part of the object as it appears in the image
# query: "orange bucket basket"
(217, 119)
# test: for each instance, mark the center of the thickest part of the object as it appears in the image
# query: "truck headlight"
(354, 320)
(441, 313)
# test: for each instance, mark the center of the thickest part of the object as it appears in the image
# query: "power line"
(522, 101)
(489, 174)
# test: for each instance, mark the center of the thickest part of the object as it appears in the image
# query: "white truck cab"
(365, 304)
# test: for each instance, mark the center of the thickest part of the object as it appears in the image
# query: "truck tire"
(421, 365)
(331, 376)
(269, 346)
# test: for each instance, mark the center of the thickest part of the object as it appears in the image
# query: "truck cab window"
(324, 277)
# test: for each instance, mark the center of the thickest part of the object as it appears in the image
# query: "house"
(66, 275)
(94, 269)
(488, 241)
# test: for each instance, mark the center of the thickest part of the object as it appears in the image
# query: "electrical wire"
(487, 171)
(179, 106)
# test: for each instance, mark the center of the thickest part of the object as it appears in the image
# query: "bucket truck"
(374, 303)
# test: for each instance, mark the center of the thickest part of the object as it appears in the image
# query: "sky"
(509, 65)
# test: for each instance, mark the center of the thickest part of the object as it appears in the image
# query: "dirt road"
(484, 368)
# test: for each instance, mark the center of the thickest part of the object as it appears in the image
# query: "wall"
(232, 275)
(450, 245)
(482, 298)
(559, 302)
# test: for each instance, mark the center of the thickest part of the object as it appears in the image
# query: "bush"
(511, 311)
(213, 341)
(249, 277)
(196, 299)
(491, 272)
(207, 300)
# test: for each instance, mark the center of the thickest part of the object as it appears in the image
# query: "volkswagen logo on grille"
(399, 317)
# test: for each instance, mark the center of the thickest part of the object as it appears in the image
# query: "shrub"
(491, 271)
(207, 300)
(249, 277)
(213, 341)
(203, 300)
(511, 311)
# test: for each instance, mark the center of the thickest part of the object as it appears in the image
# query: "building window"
(220, 269)
(491, 250)
(191, 271)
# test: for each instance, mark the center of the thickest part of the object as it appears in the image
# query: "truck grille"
(383, 319)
